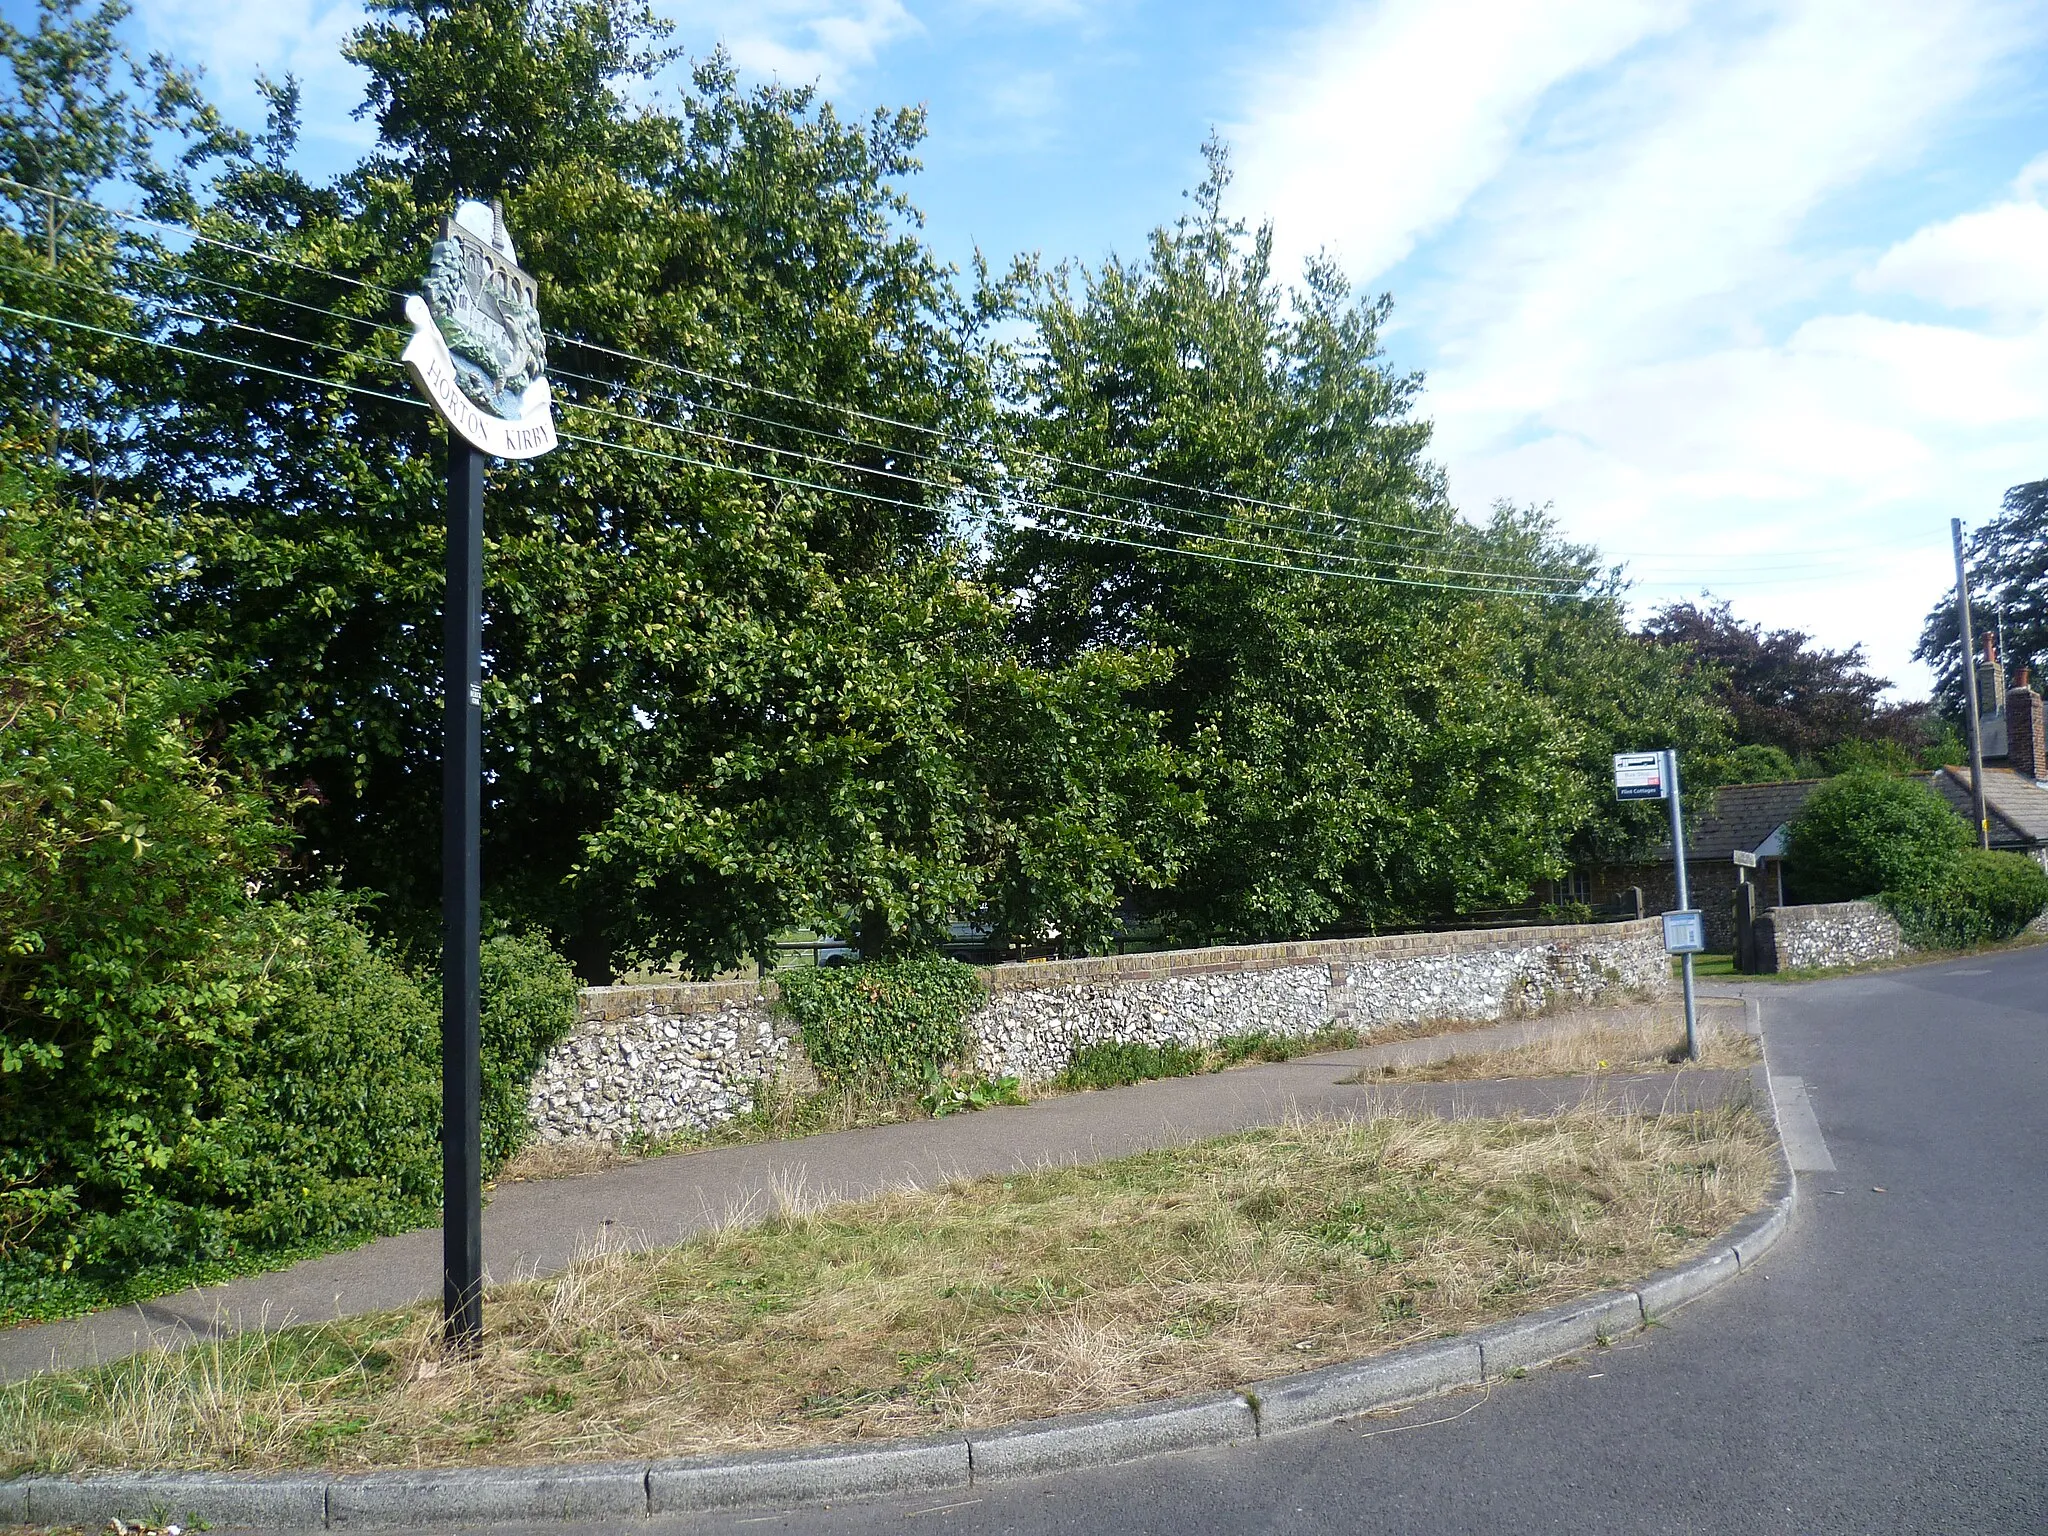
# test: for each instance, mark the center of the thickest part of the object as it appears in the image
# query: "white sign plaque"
(477, 351)
(1685, 933)
(1639, 776)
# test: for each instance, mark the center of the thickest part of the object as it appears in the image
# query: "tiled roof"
(1741, 816)
(1744, 816)
(2018, 807)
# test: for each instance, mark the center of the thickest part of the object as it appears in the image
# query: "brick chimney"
(2026, 730)
(1990, 676)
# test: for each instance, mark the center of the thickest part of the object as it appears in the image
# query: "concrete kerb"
(1112, 1435)
(821, 1474)
(428, 1496)
(824, 1474)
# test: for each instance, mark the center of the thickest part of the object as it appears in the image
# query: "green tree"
(928, 773)
(1373, 745)
(1780, 690)
(636, 594)
(2008, 586)
(1868, 832)
(77, 112)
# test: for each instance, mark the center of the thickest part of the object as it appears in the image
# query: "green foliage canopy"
(1868, 832)
(1370, 751)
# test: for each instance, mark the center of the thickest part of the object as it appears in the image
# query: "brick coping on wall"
(603, 1003)
(1824, 909)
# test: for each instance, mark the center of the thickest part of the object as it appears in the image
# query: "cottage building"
(1748, 819)
(1751, 821)
(2015, 737)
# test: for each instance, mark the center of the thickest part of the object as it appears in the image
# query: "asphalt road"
(1885, 1371)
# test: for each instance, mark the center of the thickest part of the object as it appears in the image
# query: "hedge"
(1981, 898)
(1868, 832)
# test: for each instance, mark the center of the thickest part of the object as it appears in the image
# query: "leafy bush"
(127, 976)
(1982, 898)
(1867, 832)
(1113, 1063)
(194, 1079)
(886, 1022)
(314, 1122)
(528, 1007)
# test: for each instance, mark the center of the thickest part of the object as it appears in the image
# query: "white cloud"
(1995, 260)
(1630, 308)
(1380, 126)
(235, 40)
(800, 42)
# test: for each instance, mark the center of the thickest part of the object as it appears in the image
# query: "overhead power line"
(729, 382)
(1343, 541)
(1338, 519)
(950, 488)
(795, 482)
(1306, 530)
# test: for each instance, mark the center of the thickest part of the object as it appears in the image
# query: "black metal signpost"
(477, 354)
(462, 1202)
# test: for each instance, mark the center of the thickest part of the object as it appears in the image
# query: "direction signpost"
(478, 355)
(1654, 776)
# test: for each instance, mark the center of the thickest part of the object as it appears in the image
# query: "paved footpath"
(1885, 1370)
(536, 1228)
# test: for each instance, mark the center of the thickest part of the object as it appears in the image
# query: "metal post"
(1692, 1032)
(462, 1223)
(1969, 642)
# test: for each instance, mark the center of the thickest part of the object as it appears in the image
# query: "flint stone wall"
(657, 1061)
(1818, 938)
(1037, 1014)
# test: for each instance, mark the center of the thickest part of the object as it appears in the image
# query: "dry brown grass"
(1647, 1040)
(986, 1301)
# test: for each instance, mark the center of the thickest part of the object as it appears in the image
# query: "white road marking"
(1805, 1148)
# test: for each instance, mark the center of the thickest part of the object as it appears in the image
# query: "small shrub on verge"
(947, 1093)
(1113, 1063)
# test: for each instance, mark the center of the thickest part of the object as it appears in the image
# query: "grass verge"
(1649, 1041)
(986, 1301)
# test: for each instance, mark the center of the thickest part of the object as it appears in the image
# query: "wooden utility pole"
(1969, 644)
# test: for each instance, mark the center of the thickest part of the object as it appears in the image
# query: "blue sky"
(1754, 295)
